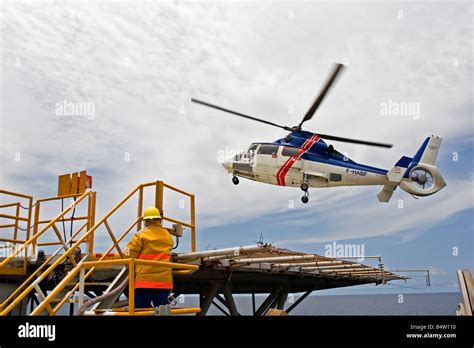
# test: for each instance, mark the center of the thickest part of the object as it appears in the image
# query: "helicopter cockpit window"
(289, 151)
(250, 153)
(247, 155)
(252, 148)
(267, 149)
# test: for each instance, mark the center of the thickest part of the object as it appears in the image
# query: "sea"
(372, 304)
(360, 304)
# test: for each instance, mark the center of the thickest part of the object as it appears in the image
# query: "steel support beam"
(298, 301)
(229, 299)
(268, 301)
(253, 303)
(209, 297)
(33, 301)
(275, 302)
(282, 299)
(221, 300)
(219, 307)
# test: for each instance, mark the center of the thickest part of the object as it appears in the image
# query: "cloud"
(363, 217)
(141, 63)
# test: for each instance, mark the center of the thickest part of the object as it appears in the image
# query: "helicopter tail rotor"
(419, 175)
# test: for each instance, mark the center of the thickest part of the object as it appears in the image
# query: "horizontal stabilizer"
(386, 193)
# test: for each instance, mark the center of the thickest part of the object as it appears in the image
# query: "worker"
(152, 284)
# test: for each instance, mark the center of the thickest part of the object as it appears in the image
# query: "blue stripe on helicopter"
(314, 154)
(417, 157)
(404, 162)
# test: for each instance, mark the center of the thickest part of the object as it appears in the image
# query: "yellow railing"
(93, 265)
(74, 242)
(46, 267)
(89, 219)
(15, 222)
(160, 186)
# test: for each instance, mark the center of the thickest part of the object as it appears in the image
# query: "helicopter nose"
(227, 165)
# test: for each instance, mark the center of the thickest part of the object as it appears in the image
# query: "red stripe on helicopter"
(280, 176)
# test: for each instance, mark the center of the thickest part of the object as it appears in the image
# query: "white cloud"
(362, 217)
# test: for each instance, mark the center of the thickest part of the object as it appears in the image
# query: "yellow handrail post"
(93, 221)
(131, 287)
(159, 196)
(140, 208)
(90, 221)
(28, 226)
(28, 231)
(35, 225)
(193, 223)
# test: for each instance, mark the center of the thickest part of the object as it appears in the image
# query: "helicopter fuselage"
(302, 157)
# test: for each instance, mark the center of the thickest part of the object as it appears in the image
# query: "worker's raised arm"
(134, 247)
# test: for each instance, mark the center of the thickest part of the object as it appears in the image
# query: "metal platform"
(274, 271)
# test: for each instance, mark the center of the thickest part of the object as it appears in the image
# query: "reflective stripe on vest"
(153, 285)
(161, 256)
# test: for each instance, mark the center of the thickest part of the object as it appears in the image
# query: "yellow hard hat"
(151, 213)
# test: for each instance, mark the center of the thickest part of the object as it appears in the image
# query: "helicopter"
(304, 159)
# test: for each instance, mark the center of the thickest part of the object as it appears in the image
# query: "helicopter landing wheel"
(235, 180)
(305, 198)
(304, 187)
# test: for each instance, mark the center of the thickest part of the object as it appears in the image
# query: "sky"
(134, 66)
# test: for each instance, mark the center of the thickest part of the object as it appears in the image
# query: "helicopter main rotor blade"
(241, 115)
(354, 141)
(309, 114)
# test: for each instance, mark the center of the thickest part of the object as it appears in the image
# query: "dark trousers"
(145, 297)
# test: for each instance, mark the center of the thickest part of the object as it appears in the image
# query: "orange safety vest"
(152, 243)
